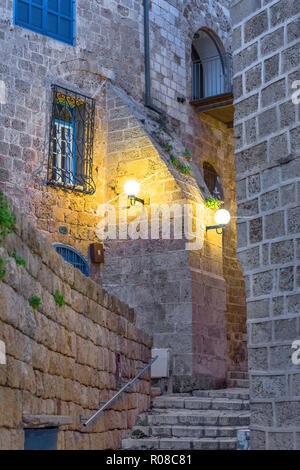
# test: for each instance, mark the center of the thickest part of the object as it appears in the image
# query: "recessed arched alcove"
(212, 181)
(211, 70)
(212, 89)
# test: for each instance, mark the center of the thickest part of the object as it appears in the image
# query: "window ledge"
(219, 107)
(212, 102)
(45, 421)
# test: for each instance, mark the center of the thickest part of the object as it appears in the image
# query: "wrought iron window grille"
(73, 257)
(70, 161)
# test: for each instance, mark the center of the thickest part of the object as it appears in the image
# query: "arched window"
(212, 181)
(73, 257)
(211, 67)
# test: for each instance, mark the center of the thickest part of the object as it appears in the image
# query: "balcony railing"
(211, 77)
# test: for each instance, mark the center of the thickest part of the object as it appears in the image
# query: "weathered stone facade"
(266, 63)
(62, 361)
(108, 57)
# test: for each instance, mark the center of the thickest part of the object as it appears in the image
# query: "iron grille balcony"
(211, 77)
(70, 160)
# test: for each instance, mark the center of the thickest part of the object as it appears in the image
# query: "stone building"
(100, 92)
(266, 74)
(145, 88)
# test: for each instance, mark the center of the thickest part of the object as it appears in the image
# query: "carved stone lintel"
(45, 421)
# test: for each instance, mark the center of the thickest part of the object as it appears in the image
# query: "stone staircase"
(204, 420)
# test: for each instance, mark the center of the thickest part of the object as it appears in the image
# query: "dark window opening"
(41, 439)
(212, 181)
(70, 160)
(73, 257)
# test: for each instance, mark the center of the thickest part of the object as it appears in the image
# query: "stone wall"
(109, 46)
(109, 50)
(266, 62)
(179, 295)
(213, 142)
(62, 361)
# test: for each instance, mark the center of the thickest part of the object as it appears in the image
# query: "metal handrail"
(127, 385)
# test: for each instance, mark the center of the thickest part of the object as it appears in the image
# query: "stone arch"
(213, 17)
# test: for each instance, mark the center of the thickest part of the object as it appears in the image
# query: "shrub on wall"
(213, 203)
(7, 218)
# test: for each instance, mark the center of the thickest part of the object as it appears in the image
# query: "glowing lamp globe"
(132, 188)
(222, 217)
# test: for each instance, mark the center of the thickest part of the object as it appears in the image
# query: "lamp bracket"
(216, 228)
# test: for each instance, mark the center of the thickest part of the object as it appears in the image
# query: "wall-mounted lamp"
(222, 218)
(132, 188)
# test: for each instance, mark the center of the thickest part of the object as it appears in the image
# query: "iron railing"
(211, 77)
(104, 406)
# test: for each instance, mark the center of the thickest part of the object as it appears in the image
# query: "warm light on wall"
(132, 188)
(222, 218)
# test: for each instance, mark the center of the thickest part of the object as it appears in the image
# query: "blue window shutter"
(22, 11)
(54, 18)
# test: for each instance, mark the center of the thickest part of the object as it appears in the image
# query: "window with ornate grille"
(70, 161)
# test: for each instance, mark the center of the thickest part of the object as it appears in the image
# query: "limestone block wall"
(110, 43)
(62, 361)
(266, 63)
(173, 290)
(213, 142)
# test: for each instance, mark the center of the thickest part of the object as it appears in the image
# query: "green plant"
(187, 155)
(174, 161)
(59, 298)
(7, 218)
(169, 146)
(34, 302)
(185, 170)
(2, 271)
(202, 188)
(213, 203)
(19, 261)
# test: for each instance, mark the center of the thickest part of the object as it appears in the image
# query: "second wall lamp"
(222, 218)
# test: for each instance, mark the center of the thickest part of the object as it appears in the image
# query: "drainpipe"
(148, 99)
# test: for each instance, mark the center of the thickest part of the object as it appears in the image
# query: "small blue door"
(41, 439)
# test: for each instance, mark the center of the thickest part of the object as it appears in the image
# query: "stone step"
(180, 444)
(155, 392)
(199, 403)
(197, 418)
(236, 374)
(231, 393)
(240, 383)
(140, 432)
